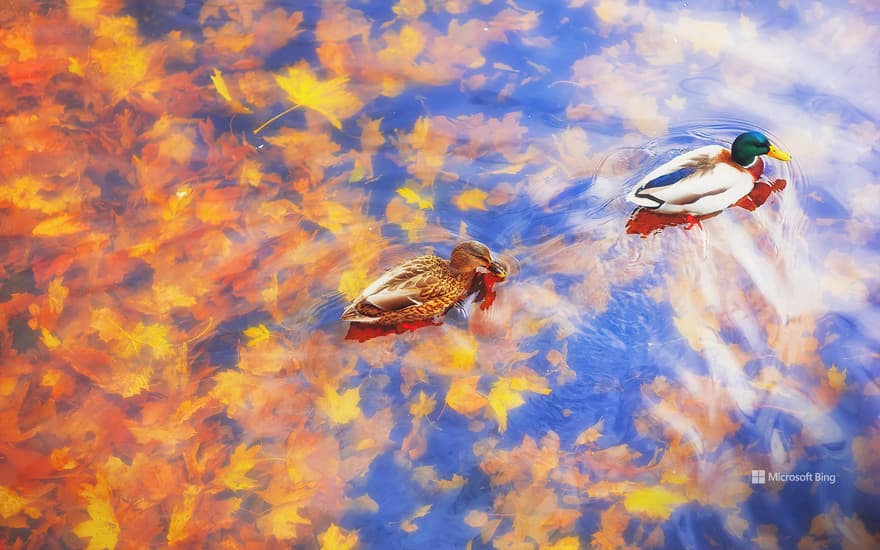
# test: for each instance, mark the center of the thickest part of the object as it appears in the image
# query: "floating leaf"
(424, 406)
(328, 97)
(340, 408)
(102, 528)
(50, 339)
(257, 335)
(654, 502)
(336, 538)
(223, 90)
(472, 199)
(411, 197)
(64, 224)
(464, 397)
(234, 476)
(837, 378)
(283, 521)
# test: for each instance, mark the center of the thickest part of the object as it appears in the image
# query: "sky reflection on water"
(175, 372)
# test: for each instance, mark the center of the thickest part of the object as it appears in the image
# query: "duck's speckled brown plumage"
(420, 288)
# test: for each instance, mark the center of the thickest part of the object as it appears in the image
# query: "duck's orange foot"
(415, 325)
(488, 300)
(363, 331)
(693, 221)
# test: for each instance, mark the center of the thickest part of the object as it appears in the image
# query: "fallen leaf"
(472, 199)
(257, 335)
(463, 396)
(340, 408)
(654, 502)
(336, 538)
(412, 197)
(424, 406)
(223, 90)
(329, 97)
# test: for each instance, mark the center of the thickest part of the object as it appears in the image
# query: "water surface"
(174, 371)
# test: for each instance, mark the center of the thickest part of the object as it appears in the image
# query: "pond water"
(173, 272)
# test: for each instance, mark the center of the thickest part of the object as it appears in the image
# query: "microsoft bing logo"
(759, 477)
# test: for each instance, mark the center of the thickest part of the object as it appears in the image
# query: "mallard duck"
(423, 288)
(706, 180)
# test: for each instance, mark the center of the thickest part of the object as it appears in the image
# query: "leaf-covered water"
(175, 259)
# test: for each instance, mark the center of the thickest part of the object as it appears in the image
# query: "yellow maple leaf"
(57, 293)
(340, 408)
(352, 282)
(424, 406)
(73, 66)
(327, 97)
(154, 336)
(11, 503)
(521, 383)
(223, 90)
(836, 378)
(64, 224)
(229, 388)
(281, 522)
(251, 173)
(130, 382)
(654, 502)
(84, 11)
(336, 538)
(257, 335)
(566, 543)
(119, 55)
(181, 514)
(167, 296)
(102, 527)
(234, 476)
(50, 339)
(502, 398)
(463, 396)
(410, 196)
(472, 199)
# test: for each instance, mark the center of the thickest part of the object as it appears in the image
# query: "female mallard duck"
(422, 288)
(706, 180)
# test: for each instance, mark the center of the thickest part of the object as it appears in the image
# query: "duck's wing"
(681, 180)
(411, 283)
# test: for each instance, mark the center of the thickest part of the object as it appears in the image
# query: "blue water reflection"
(624, 390)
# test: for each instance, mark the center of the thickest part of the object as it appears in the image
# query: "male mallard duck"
(422, 288)
(706, 180)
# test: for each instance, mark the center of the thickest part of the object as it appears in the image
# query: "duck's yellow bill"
(498, 270)
(777, 153)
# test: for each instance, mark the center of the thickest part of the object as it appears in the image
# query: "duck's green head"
(749, 145)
